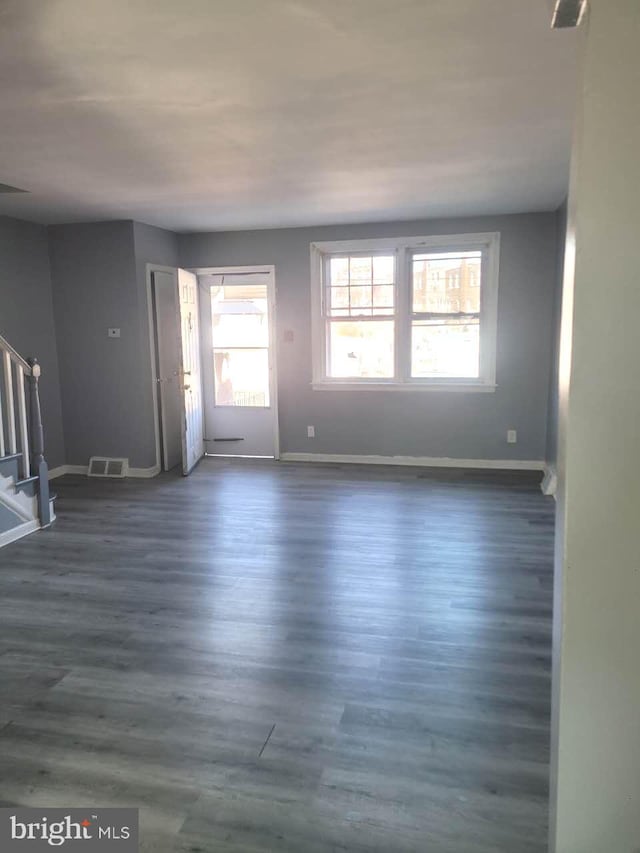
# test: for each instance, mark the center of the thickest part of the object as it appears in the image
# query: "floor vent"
(101, 466)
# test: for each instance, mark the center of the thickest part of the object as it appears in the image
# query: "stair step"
(9, 466)
(19, 498)
(18, 532)
(8, 518)
(28, 486)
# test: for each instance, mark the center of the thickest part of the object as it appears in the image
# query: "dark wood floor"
(290, 658)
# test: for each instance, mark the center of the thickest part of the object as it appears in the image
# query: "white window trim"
(489, 242)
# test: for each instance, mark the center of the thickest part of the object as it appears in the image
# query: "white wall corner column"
(595, 778)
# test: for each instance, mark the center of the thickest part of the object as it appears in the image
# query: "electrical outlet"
(113, 333)
(311, 432)
(512, 436)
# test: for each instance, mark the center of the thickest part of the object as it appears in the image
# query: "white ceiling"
(219, 114)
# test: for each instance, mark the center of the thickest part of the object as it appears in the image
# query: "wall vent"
(102, 466)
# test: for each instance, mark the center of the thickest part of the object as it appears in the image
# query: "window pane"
(383, 296)
(359, 283)
(360, 270)
(447, 283)
(339, 271)
(361, 350)
(339, 297)
(361, 297)
(240, 315)
(241, 377)
(383, 269)
(447, 348)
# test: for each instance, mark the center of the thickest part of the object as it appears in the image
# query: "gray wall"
(99, 281)
(552, 418)
(412, 423)
(26, 317)
(94, 286)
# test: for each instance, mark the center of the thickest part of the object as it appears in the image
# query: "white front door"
(191, 376)
(239, 365)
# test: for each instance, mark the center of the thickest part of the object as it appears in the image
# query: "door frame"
(150, 269)
(273, 351)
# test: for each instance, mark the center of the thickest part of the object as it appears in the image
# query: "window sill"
(460, 387)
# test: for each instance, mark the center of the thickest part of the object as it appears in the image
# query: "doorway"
(239, 366)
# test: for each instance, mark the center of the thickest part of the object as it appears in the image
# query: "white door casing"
(245, 428)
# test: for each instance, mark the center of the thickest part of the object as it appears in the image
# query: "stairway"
(25, 503)
(18, 501)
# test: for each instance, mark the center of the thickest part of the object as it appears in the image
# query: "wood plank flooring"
(287, 657)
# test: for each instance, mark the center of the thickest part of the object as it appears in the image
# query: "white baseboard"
(60, 471)
(77, 469)
(549, 483)
(143, 473)
(418, 461)
(18, 532)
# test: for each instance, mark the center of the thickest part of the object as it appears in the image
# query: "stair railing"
(17, 435)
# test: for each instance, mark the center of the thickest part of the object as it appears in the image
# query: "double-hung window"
(405, 313)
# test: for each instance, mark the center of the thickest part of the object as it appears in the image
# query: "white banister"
(5, 346)
(14, 433)
(24, 436)
(22, 422)
(8, 396)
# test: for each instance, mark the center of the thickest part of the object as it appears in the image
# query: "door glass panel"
(241, 377)
(240, 335)
(240, 315)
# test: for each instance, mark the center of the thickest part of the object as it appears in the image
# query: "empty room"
(318, 419)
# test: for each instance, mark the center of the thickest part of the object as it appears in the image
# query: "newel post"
(38, 464)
